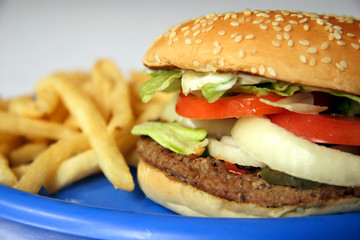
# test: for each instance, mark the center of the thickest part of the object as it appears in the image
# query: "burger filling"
(298, 136)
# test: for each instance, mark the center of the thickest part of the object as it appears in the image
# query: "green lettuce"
(169, 80)
(174, 136)
(162, 80)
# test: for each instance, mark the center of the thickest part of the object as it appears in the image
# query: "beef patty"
(210, 175)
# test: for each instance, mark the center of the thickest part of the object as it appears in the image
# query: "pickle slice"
(279, 178)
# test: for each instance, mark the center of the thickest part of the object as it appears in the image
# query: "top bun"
(296, 47)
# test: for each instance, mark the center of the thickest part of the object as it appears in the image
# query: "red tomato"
(321, 128)
(232, 168)
(195, 107)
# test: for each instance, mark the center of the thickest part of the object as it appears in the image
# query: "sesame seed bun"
(297, 47)
(190, 201)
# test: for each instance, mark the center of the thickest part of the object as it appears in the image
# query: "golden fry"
(20, 170)
(45, 165)
(11, 123)
(7, 177)
(73, 169)
(27, 152)
(90, 120)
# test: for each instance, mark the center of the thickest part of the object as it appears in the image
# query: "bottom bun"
(189, 201)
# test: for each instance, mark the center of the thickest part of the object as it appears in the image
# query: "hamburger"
(265, 120)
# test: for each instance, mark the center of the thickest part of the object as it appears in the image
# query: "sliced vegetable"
(283, 151)
(299, 103)
(174, 136)
(192, 106)
(228, 150)
(161, 80)
(279, 178)
(321, 128)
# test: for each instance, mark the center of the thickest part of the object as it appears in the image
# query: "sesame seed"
(350, 34)
(196, 63)
(263, 26)
(262, 70)
(287, 28)
(293, 22)
(247, 12)
(198, 41)
(303, 58)
(326, 60)
(227, 16)
(242, 53)
(221, 32)
(208, 29)
(275, 23)
(271, 71)
(324, 45)
(277, 28)
(258, 21)
(196, 32)
(291, 43)
(303, 20)
(286, 35)
(234, 23)
(279, 37)
(276, 43)
(234, 15)
(311, 50)
(238, 38)
(304, 42)
(320, 21)
(216, 44)
(234, 35)
(343, 63)
(186, 33)
(306, 27)
(195, 27)
(188, 41)
(342, 43)
(249, 36)
(248, 19)
(217, 50)
(253, 51)
(339, 66)
(172, 35)
(184, 28)
(337, 35)
(312, 62)
(253, 70)
(262, 14)
(170, 41)
(355, 45)
(331, 36)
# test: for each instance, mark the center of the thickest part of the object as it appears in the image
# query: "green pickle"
(279, 178)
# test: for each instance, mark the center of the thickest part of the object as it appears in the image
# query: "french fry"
(7, 177)
(20, 170)
(90, 120)
(73, 169)
(48, 161)
(119, 98)
(27, 152)
(11, 123)
(12, 142)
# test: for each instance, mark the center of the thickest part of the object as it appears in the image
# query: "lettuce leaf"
(162, 80)
(174, 136)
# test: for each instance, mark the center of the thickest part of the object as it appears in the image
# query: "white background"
(38, 37)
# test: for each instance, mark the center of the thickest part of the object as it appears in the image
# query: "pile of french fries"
(75, 124)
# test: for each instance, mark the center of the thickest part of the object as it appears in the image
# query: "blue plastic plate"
(93, 208)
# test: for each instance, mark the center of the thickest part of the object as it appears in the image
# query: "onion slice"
(228, 150)
(283, 151)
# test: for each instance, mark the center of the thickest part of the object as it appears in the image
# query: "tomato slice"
(195, 107)
(321, 128)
